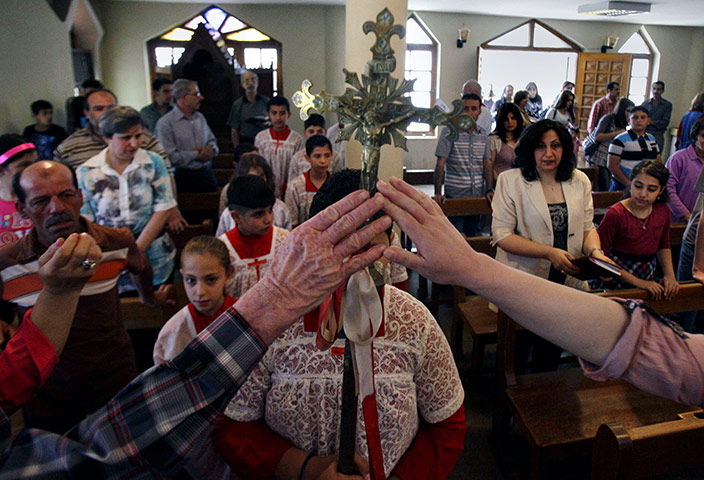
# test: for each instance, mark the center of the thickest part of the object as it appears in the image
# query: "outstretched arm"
(568, 319)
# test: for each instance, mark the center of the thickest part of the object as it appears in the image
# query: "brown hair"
(210, 245)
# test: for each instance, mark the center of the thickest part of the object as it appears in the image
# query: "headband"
(15, 150)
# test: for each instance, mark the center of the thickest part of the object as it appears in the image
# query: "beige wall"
(678, 46)
(129, 25)
(313, 48)
(35, 62)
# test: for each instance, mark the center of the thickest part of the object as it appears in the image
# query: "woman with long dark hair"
(610, 126)
(563, 111)
(504, 138)
(543, 216)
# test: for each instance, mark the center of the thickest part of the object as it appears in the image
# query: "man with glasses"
(188, 140)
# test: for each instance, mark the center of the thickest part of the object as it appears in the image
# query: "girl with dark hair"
(504, 138)
(563, 111)
(535, 101)
(609, 127)
(15, 154)
(542, 216)
(636, 233)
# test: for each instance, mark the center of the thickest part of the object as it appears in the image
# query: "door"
(594, 72)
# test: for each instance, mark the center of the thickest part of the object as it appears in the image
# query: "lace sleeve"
(438, 386)
(250, 401)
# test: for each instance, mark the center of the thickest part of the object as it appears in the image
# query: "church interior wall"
(35, 63)
(312, 38)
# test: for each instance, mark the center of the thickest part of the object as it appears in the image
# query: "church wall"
(128, 26)
(36, 62)
(678, 47)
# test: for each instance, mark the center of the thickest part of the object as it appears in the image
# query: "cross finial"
(383, 60)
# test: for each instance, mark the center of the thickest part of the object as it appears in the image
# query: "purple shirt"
(656, 356)
(685, 167)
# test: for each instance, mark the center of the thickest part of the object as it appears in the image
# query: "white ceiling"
(663, 12)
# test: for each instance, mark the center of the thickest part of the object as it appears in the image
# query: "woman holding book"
(543, 216)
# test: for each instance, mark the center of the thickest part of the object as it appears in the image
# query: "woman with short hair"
(127, 186)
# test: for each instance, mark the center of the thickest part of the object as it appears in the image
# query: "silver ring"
(88, 264)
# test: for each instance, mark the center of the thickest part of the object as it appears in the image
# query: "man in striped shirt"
(631, 147)
(97, 360)
(464, 166)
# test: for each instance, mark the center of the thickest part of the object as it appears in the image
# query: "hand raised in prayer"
(312, 262)
(67, 264)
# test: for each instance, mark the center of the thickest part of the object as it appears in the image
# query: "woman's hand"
(562, 261)
(671, 287)
(442, 249)
(61, 267)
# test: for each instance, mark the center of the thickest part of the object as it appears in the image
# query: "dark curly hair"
(529, 141)
(337, 187)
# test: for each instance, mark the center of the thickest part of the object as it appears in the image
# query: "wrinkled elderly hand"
(312, 262)
(60, 266)
(442, 249)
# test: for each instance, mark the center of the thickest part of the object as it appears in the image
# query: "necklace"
(641, 220)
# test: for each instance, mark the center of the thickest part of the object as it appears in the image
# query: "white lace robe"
(297, 388)
(246, 273)
(278, 154)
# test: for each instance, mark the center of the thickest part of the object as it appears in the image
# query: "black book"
(591, 268)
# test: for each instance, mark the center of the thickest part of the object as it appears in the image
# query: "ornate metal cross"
(376, 111)
(377, 108)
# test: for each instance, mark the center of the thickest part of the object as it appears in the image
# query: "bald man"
(97, 360)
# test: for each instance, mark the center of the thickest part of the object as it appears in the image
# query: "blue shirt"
(180, 136)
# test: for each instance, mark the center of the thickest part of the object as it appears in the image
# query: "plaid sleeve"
(154, 423)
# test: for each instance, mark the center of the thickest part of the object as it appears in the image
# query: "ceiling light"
(614, 9)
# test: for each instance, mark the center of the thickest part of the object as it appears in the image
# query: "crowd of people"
(248, 374)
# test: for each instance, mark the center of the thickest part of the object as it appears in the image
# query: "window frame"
(433, 48)
(650, 57)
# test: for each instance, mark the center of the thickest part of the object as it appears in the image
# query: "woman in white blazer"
(543, 216)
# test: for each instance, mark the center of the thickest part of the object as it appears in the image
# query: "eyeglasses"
(195, 94)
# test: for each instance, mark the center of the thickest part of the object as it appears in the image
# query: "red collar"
(251, 247)
(281, 134)
(202, 321)
(311, 320)
(309, 184)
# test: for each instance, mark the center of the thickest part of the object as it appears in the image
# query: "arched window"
(529, 52)
(641, 66)
(421, 65)
(242, 45)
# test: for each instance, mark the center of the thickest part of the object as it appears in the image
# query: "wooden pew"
(560, 412)
(641, 452)
(197, 207)
(223, 176)
(592, 174)
(425, 176)
(223, 160)
(603, 200)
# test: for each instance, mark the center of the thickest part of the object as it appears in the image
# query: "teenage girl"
(206, 269)
(15, 153)
(635, 233)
